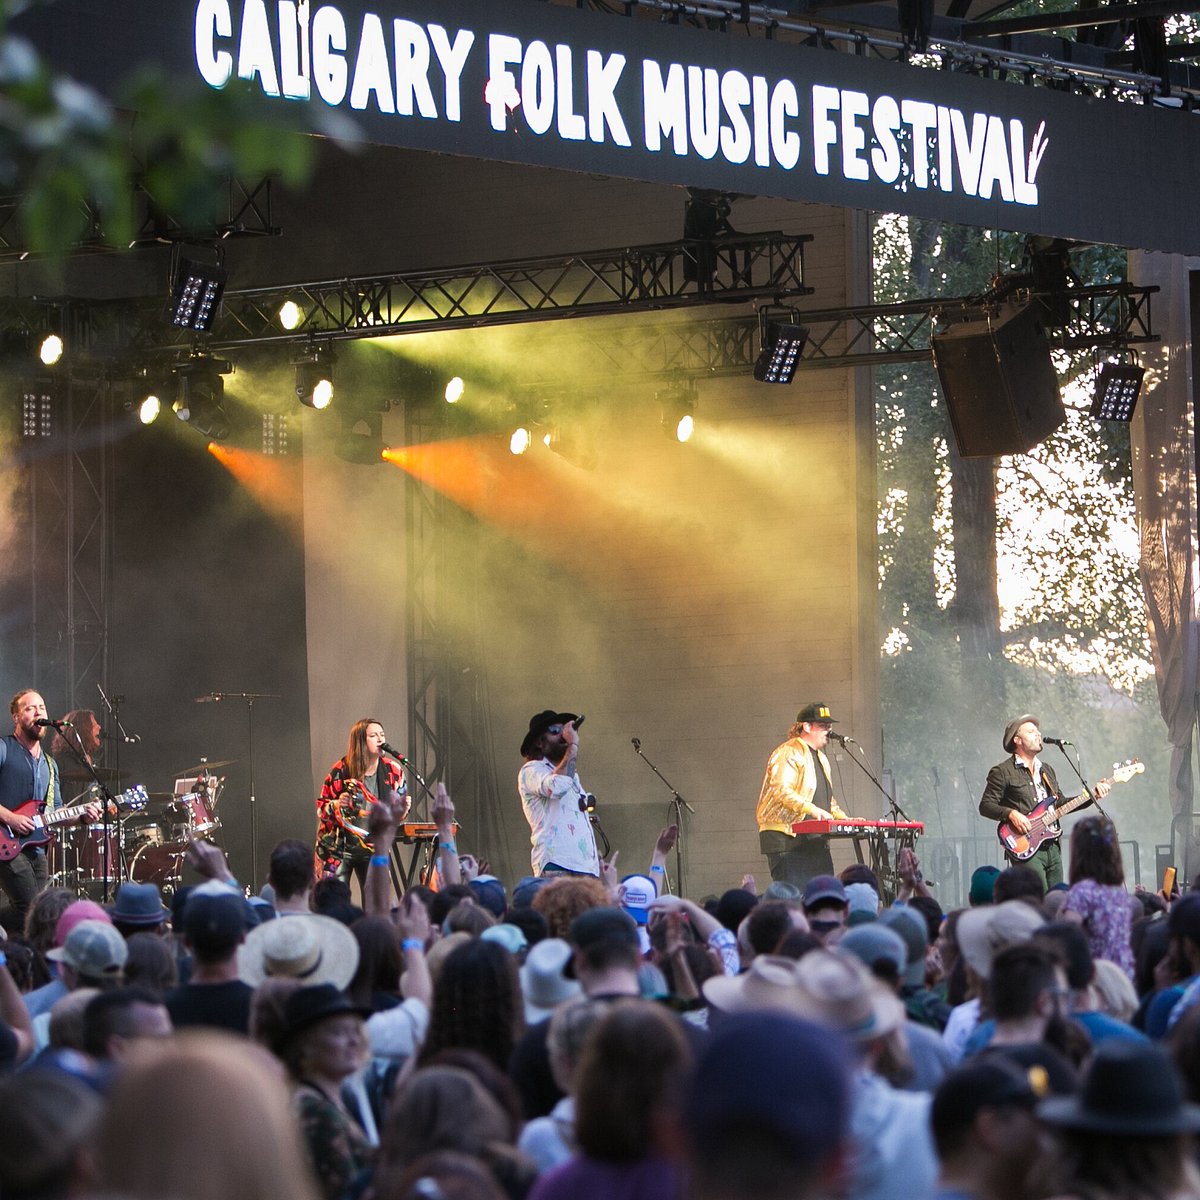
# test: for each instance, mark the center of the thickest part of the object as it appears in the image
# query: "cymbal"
(209, 766)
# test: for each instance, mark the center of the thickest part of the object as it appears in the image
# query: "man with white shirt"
(555, 802)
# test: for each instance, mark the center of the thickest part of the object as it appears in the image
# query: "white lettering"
(213, 20)
(1025, 167)
(762, 122)
(329, 54)
(502, 50)
(735, 137)
(453, 59)
(704, 112)
(885, 156)
(571, 124)
(412, 70)
(854, 137)
(292, 75)
(664, 106)
(968, 150)
(371, 71)
(825, 101)
(603, 77)
(785, 102)
(996, 168)
(255, 56)
(922, 116)
(537, 87)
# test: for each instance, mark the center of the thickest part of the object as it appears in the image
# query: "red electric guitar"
(44, 824)
(1043, 821)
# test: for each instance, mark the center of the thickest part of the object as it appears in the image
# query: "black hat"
(1130, 1088)
(308, 1005)
(593, 926)
(1010, 730)
(815, 712)
(539, 724)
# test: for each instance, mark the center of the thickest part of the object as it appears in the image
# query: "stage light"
(290, 315)
(195, 294)
(454, 390)
(149, 409)
(274, 434)
(782, 343)
(1117, 389)
(37, 419)
(678, 409)
(50, 349)
(520, 440)
(201, 395)
(314, 376)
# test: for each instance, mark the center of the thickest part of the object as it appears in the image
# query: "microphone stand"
(674, 815)
(895, 812)
(1074, 765)
(398, 869)
(113, 706)
(106, 798)
(249, 698)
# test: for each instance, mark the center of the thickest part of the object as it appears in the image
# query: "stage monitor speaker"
(999, 382)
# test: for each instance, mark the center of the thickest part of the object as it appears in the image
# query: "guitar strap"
(51, 799)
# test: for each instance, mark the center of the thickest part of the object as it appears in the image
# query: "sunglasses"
(554, 729)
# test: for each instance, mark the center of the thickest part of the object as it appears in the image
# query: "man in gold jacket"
(797, 787)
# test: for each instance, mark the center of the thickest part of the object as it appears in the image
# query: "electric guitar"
(44, 824)
(1043, 820)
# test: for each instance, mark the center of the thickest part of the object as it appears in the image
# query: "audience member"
(1097, 898)
(213, 927)
(291, 874)
(825, 905)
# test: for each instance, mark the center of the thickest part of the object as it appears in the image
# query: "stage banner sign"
(530, 82)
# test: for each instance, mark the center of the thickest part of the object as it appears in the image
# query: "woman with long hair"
(476, 1004)
(362, 777)
(1098, 899)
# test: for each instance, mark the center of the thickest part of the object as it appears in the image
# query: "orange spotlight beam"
(273, 482)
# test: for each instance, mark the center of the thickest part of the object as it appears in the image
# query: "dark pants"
(795, 859)
(1047, 862)
(23, 878)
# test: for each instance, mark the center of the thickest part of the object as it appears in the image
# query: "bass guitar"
(44, 824)
(1043, 820)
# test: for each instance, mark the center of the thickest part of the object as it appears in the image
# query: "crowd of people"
(575, 1036)
(572, 1034)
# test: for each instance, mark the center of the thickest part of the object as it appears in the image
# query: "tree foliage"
(1007, 585)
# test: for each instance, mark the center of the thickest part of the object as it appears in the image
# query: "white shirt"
(560, 831)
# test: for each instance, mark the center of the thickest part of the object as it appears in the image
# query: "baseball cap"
(81, 910)
(636, 893)
(599, 926)
(92, 948)
(824, 887)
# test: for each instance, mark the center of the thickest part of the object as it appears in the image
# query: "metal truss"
(70, 539)
(248, 213)
(1104, 317)
(742, 268)
(952, 45)
(449, 732)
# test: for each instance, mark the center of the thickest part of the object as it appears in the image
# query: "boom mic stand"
(1074, 765)
(895, 812)
(69, 737)
(674, 815)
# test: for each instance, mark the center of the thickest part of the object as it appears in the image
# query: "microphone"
(1060, 742)
(44, 723)
(579, 720)
(636, 743)
(210, 699)
(841, 737)
(387, 749)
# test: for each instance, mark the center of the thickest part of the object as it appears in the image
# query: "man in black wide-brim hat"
(555, 803)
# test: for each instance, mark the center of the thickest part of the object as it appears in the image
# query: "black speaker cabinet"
(998, 382)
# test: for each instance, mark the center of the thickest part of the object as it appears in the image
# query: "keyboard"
(853, 827)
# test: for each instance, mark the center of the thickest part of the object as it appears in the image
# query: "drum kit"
(151, 844)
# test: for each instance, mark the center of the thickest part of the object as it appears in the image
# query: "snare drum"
(134, 835)
(89, 850)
